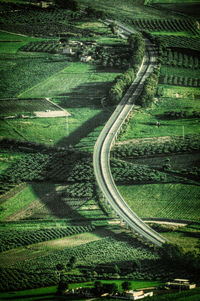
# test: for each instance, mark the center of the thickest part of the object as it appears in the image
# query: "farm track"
(101, 156)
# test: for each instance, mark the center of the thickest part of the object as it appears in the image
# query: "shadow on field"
(88, 94)
(84, 130)
(58, 207)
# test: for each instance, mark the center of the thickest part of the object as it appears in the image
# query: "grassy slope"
(78, 88)
(176, 201)
(143, 123)
(22, 199)
(10, 42)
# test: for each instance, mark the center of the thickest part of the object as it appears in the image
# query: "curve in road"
(101, 156)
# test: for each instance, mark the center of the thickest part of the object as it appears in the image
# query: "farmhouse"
(133, 295)
(181, 283)
(67, 50)
(86, 58)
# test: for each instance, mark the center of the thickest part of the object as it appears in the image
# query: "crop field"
(81, 98)
(154, 200)
(51, 209)
(21, 106)
(21, 200)
(10, 43)
(178, 92)
(144, 122)
(22, 71)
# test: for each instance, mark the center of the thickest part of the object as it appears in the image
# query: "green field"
(176, 201)
(180, 92)
(21, 71)
(10, 42)
(175, 71)
(22, 199)
(78, 88)
(143, 122)
(50, 292)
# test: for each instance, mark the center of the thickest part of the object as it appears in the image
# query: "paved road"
(101, 156)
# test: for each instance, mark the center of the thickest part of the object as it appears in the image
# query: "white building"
(86, 59)
(67, 50)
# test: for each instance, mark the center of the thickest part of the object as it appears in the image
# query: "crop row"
(189, 144)
(80, 190)
(177, 58)
(175, 41)
(17, 238)
(34, 16)
(49, 46)
(179, 81)
(16, 106)
(166, 25)
(125, 172)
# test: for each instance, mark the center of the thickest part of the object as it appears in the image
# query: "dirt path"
(17, 34)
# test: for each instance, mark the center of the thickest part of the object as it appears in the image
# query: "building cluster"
(180, 284)
(82, 50)
(127, 295)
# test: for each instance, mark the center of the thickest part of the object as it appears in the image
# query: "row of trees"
(180, 80)
(122, 82)
(149, 90)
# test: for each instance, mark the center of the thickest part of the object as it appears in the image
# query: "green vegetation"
(54, 223)
(144, 121)
(17, 74)
(154, 200)
(11, 43)
(22, 199)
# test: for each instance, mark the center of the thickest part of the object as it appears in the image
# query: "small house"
(181, 284)
(86, 59)
(137, 295)
(67, 50)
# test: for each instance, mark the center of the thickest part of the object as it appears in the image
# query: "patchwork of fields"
(51, 210)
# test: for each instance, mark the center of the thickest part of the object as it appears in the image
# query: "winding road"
(101, 155)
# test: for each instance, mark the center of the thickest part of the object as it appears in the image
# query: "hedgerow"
(149, 89)
(122, 82)
(175, 145)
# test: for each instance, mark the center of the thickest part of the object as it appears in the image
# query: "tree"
(62, 286)
(68, 4)
(72, 262)
(113, 27)
(126, 285)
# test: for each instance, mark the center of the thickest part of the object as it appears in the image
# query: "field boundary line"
(45, 80)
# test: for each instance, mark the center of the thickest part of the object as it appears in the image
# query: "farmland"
(51, 210)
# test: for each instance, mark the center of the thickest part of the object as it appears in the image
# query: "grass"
(177, 71)
(172, 33)
(21, 106)
(47, 291)
(143, 123)
(178, 91)
(74, 79)
(7, 158)
(175, 201)
(41, 130)
(79, 88)
(186, 241)
(20, 254)
(21, 71)
(10, 42)
(22, 199)
(173, 1)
